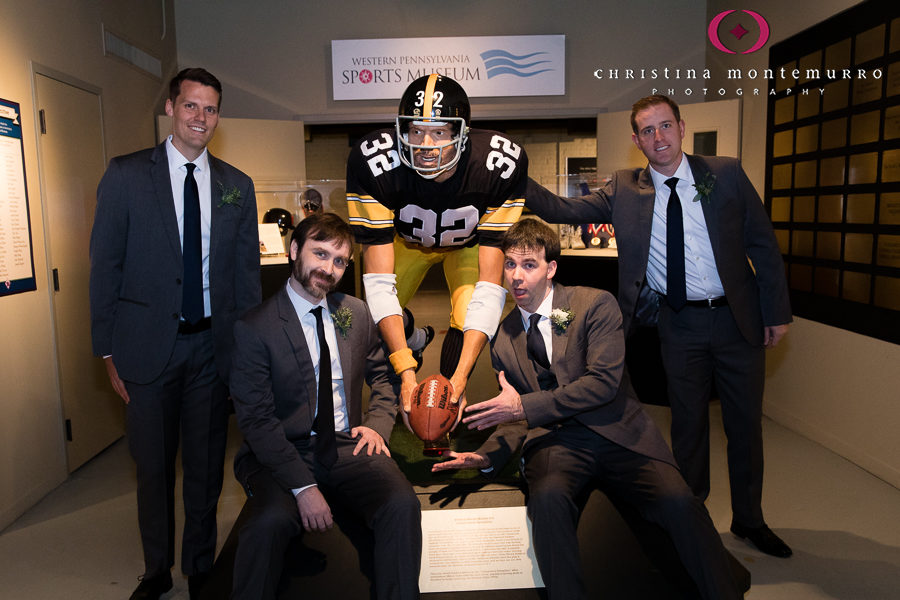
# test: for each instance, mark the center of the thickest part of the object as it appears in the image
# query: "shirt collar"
(177, 159)
(683, 173)
(544, 309)
(301, 304)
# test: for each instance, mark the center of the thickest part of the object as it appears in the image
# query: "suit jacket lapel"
(346, 354)
(646, 201)
(294, 332)
(700, 169)
(514, 328)
(162, 184)
(560, 338)
(647, 194)
(216, 177)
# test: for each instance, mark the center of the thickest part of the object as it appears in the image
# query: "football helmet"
(433, 100)
(283, 218)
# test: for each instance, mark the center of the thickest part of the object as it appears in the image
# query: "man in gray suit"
(721, 303)
(299, 365)
(564, 402)
(174, 262)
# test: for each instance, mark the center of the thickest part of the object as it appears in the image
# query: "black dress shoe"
(151, 588)
(196, 583)
(419, 354)
(763, 538)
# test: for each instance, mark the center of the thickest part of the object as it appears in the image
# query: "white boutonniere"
(705, 187)
(230, 196)
(343, 320)
(560, 318)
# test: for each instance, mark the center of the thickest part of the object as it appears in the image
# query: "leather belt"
(186, 328)
(708, 303)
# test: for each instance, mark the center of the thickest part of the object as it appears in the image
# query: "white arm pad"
(381, 295)
(485, 308)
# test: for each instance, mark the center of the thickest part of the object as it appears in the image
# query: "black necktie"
(326, 448)
(192, 251)
(537, 351)
(676, 295)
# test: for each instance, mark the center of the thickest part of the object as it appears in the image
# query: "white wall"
(840, 389)
(65, 36)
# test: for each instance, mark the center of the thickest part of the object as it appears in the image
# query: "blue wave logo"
(501, 62)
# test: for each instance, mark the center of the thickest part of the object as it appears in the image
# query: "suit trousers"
(188, 401)
(558, 468)
(371, 486)
(701, 345)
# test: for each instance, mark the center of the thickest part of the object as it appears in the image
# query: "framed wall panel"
(833, 168)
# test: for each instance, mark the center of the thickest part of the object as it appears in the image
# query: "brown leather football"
(432, 414)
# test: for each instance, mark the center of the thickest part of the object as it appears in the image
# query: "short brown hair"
(198, 75)
(324, 226)
(647, 102)
(531, 234)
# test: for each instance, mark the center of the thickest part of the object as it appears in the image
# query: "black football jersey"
(476, 205)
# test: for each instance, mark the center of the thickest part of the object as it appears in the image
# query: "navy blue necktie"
(676, 294)
(534, 341)
(192, 251)
(326, 447)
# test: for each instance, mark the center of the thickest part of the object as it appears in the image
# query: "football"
(432, 414)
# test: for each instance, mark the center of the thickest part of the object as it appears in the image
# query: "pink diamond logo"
(738, 31)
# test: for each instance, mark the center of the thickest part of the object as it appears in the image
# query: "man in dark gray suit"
(720, 304)
(299, 365)
(564, 402)
(174, 262)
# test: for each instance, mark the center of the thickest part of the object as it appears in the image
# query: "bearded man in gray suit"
(721, 302)
(174, 262)
(300, 362)
(564, 403)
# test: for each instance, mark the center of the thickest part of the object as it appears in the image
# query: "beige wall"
(66, 37)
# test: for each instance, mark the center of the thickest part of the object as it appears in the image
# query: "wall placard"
(16, 257)
(833, 168)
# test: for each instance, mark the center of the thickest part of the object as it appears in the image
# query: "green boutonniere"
(230, 196)
(705, 187)
(343, 320)
(560, 318)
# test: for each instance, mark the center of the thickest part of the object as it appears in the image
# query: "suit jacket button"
(178, 280)
(175, 316)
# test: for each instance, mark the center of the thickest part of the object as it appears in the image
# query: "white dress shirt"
(701, 276)
(544, 326)
(177, 173)
(308, 323)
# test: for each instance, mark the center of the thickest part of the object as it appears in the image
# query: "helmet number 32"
(437, 99)
(503, 157)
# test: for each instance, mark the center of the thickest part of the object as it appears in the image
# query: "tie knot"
(190, 168)
(533, 320)
(317, 311)
(672, 182)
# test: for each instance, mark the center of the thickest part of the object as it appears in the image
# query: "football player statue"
(430, 191)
